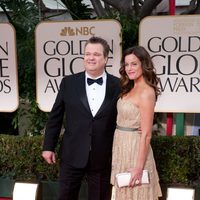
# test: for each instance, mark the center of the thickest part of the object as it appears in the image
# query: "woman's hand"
(136, 176)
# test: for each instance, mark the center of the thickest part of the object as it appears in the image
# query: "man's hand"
(49, 156)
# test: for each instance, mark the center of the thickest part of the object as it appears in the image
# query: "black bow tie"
(91, 81)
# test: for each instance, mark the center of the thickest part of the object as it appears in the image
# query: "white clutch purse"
(123, 179)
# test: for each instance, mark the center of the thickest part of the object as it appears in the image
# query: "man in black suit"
(88, 101)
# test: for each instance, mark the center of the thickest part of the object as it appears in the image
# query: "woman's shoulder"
(147, 93)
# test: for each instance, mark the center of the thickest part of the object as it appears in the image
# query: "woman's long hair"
(148, 70)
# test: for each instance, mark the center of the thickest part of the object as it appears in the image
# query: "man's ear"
(106, 60)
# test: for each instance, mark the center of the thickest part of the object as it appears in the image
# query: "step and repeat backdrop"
(9, 96)
(60, 51)
(174, 45)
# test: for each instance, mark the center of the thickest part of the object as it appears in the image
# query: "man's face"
(94, 60)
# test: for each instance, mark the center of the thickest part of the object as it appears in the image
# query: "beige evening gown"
(125, 150)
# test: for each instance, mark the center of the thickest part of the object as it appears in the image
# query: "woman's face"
(133, 67)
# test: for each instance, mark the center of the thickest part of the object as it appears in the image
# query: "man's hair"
(98, 40)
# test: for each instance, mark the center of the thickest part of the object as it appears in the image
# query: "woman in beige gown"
(131, 147)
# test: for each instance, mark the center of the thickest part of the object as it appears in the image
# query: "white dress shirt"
(95, 93)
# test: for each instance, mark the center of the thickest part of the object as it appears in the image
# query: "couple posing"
(97, 107)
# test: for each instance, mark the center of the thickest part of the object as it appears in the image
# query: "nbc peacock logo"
(69, 31)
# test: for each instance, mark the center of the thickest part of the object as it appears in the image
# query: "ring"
(137, 182)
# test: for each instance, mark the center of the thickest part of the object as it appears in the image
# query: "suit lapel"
(81, 92)
(80, 83)
(108, 96)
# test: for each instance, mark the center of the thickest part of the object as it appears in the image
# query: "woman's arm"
(146, 106)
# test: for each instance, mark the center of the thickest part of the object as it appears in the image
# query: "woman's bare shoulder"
(147, 94)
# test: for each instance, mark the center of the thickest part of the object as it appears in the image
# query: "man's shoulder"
(112, 77)
(114, 82)
(73, 76)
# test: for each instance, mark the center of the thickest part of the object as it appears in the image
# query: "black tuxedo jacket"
(84, 133)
